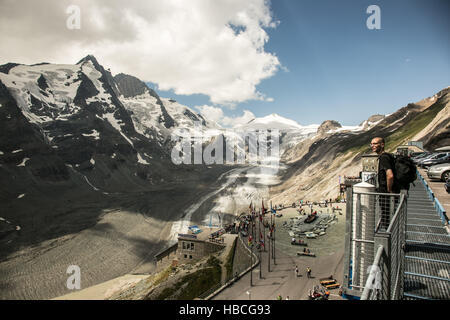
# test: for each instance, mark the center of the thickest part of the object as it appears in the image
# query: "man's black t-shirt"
(385, 162)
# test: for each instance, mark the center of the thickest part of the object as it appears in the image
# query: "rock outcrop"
(327, 126)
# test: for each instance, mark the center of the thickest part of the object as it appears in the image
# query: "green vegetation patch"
(414, 126)
(194, 284)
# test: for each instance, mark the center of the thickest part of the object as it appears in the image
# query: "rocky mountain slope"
(316, 165)
(74, 141)
(437, 133)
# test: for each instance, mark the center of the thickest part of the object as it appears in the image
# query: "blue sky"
(334, 67)
(307, 60)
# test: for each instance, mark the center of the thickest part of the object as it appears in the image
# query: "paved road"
(282, 280)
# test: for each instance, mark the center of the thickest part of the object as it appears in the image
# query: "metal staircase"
(427, 252)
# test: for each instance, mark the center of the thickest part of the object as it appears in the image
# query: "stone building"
(192, 248)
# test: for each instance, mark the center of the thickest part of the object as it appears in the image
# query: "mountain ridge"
(316, 163)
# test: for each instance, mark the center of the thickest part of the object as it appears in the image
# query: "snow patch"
(407, 112)
(142, 160)
(92, 161)
(94, 75)
(22, 82)
(21, 196)
(347, 128)
(116, 125)
(23, 163)
(17, 151)
(94, 134)
(89, 183)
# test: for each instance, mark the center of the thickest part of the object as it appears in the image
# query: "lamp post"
(268, 252)
(251, 263)
(274, 260)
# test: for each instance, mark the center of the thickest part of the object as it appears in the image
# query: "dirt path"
(104, 290)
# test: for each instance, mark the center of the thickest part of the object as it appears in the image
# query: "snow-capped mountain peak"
(154, 116)
(275, 121)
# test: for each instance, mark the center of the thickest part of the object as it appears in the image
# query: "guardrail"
(386, 275)
(441, 211)
(374, 247)
(437, 205)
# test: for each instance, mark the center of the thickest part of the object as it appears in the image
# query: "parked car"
(439, 171)
(439, 158)
(421, 157)
(447, 185)
(418, 154)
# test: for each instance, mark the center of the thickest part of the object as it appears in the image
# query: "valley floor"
(117, 241)
(122, 242)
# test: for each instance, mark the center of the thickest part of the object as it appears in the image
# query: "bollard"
(363, 230)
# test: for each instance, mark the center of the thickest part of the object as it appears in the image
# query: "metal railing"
(388, 264)
(374, 248)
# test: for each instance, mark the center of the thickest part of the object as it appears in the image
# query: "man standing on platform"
(386, 178)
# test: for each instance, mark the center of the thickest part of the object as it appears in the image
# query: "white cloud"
(216, 114)
(211, 113)
(233, 122)
(209, 47)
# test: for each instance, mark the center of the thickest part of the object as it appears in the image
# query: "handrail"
(396, 214)
(377, 193)
(440, 209)
(437, 205)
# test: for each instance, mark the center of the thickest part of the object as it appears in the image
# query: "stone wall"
(241, 259)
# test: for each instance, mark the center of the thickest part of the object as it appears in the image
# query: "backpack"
(405, 171)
